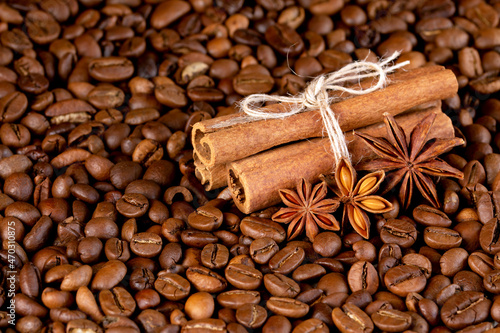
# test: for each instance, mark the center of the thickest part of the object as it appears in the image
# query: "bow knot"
(315, 94)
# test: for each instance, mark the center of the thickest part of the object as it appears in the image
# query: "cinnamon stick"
(216, 176)
(233, 137)
(211, 177)
(254, 181)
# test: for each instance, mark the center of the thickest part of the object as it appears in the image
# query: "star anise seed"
(307, 209)
(358, 197)
(410, 162)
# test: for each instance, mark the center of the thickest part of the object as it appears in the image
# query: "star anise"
(307, 209)
(413, 161)
(357, 196)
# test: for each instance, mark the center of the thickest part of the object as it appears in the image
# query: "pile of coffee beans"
(105, 227)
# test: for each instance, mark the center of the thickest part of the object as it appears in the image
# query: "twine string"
(316, 97)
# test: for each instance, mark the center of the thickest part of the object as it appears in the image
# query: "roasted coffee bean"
(430, 217)
(110, 69)
(214, 256)
(422, 262)
(243, 276)
(13, 106)
(284, 40)
(251, 315)
(146, 244)
(488, 237)
(117, 302)
(350, 318)
(203, 279)
(441, 238)
(480, 263)
(391, 320)
(263, 249)
(200, 305)
(277, 324)
(363, 276)
(308, 271)
(172, 286)
(281, 286)
(399, 232)
(453, 261)
(327, 244)
(404, 279)
(109, 275)
(464, 309)
(132, 205)
(256, 228)
(77, 278)
(197, 238)
(234, 299)
(287, 259)
(210, 325)
(287, 307)
(206, 218)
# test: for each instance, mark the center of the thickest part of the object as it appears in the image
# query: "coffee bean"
(200, 305)
(263, 249)
(247, 84)
(198, 239)
(172, 286)
(132, 205)
(284, 40)
(281, 286)
(470, 62)
(350, 318)
(111, 69)
(441, 238)
(146, 244)
(243, 277)
(308, 271)
(234, 299)
(400, 232)
(453, 261)
(13, 106)
(209, 325)
(288, 307)
(110, 274)
(430, 217)
(363, 276)
(464, 309)
(251, 315)
(404, 279)
(203, 279)
(206, 218)
(117, 302)
(167, 13)
(277, 324)
(287, 259)
(391, 320)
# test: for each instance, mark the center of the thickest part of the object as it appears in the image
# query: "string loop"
(316, 97)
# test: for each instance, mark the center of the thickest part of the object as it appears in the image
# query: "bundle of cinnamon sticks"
(257, 157)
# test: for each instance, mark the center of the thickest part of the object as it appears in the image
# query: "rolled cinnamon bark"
(211, 177)
(254, 181)
(233, 137)
(216, 176)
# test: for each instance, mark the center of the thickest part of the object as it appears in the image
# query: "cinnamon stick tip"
(201, 148)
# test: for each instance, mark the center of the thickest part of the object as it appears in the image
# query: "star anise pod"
(413, 162)
(358, 196)
(307, 209)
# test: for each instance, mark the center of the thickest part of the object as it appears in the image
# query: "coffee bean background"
(105, 227)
